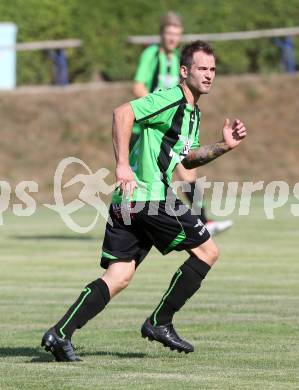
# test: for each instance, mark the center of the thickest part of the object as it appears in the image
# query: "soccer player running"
(170, 120)
(159, 67)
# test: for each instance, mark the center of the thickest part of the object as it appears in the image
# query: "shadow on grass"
(40, 356)
(55, 237)
(121, 355)
(37, 354)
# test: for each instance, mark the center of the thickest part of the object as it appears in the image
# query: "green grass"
(244, 322)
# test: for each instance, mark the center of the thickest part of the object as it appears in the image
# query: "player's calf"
(92, 300)
(185, 282)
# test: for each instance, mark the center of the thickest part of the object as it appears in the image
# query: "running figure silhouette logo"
(93, 186)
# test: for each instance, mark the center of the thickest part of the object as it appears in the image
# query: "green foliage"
(104, 26)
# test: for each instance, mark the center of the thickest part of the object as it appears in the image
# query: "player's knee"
(207, 252)
(124, 282)
(118, 276)
(213, 253)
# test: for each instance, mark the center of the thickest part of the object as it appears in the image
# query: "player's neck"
(167, 52)
(191, 96)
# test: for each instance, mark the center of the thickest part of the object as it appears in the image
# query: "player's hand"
(235, 133)
(125, 180)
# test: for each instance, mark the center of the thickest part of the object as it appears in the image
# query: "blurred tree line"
(104, 25)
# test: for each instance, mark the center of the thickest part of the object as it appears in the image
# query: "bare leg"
(118, 276)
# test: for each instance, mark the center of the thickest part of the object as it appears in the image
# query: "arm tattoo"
(204, 154)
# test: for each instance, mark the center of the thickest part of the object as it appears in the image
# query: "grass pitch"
(243, 322)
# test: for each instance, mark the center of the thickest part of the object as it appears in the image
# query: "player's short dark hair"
(191, 48)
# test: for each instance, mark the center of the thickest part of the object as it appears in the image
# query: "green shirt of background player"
(159, 65)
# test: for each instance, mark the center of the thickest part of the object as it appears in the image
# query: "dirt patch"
(41, 126)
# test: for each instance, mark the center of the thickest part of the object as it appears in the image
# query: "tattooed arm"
(232, 137)
(204, 154)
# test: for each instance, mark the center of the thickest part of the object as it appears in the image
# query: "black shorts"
(168, 227)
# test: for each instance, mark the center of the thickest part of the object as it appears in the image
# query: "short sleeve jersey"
(169, 129)
(157, 70)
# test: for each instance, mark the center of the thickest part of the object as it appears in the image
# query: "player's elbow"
(122, 110)
(139, 90)
(117, 111)
(136, 90)
(186, 164)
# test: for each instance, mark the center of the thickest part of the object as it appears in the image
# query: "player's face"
(201, 73)
(171, 37)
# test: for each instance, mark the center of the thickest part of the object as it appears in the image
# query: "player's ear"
(183, 71)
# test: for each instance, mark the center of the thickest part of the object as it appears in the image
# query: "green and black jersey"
(169, 129)
(157, 70)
